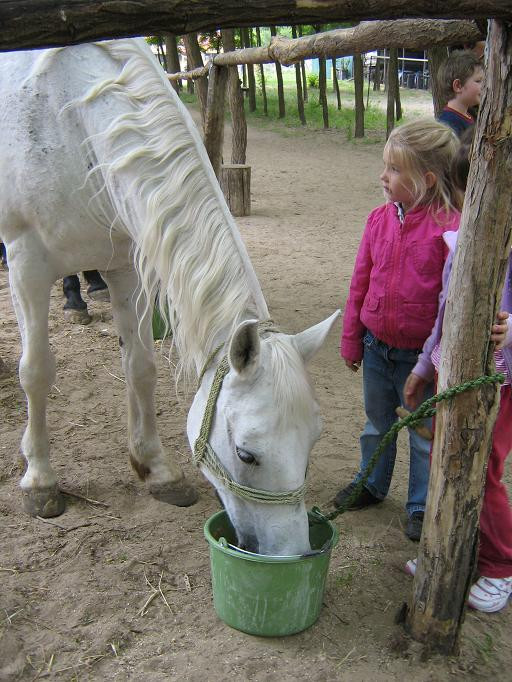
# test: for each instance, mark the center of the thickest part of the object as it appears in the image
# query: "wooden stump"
(235, 180)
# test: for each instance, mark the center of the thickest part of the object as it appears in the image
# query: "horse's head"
(265, 423)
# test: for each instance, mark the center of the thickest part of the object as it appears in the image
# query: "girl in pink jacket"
(392, 304)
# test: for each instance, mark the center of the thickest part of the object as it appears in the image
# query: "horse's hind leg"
(164, 477)
(31, 297)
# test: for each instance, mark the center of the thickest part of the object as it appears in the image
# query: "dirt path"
(72, 596)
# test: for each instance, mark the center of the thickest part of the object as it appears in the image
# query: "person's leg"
(495, 555)
(380, 400)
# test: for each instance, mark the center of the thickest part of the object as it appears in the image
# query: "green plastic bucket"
(264, 595)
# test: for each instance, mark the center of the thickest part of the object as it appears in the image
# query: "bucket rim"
(267, 558)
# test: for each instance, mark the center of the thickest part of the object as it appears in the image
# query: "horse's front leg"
(30, 288)
(164, 477)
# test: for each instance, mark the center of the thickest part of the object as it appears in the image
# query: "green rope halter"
(204, 454)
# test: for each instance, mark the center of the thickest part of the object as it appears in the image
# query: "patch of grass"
(484, 648)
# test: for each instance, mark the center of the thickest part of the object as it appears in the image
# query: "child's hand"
(353, 366)
(499, 330)
(413, 390)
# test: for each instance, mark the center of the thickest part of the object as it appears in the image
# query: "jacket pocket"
(372, 303)
(416, 320)
(428, 257)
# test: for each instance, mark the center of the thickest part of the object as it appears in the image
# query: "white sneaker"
(490, 594)
(410, 566)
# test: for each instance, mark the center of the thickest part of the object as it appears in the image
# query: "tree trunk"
(214, 120)
(173, 59)
(195, 59)
(251, 81)
(298, 81)
(262, 76)
(436, 56)
(236, 104)
(398, 102)
(235, 181)
(303, 72)
(464, 425)
(359, 95)
(46, 23)
(392, 73)
(335, 84)
(190, 82)
(322, 90)
(279, 75)
(162, 58)
(377, 73)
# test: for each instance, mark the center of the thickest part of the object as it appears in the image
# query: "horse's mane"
(187, 248)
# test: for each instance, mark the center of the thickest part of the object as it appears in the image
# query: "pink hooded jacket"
(397, 279)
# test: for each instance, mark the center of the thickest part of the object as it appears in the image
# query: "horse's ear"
(310, 340)
(244, 348)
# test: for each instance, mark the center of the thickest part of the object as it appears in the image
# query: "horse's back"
(44, 169)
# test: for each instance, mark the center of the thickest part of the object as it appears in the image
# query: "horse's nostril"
(250, 544)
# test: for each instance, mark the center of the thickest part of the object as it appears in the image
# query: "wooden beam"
(414, 34)
(464, 425)
(47, 23)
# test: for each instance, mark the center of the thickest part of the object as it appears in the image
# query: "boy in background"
(460, 78)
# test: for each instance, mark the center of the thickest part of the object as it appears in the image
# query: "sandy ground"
(72, 595)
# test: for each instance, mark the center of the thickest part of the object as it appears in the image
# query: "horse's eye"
(245, 456)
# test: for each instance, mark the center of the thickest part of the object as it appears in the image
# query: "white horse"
(101, 167)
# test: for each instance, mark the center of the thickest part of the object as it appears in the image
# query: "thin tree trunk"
(392, 73)
(251, 81)
(303, 72)
(436, 56)
(377, 75)
(262, 76)
(190, 82)
(298, 81)
(195, 59)
(335, 83)
(359, 95)
(214, 120)
(236, 104)
(173, 60)
(464, 425)
(279, 75)
(398, 101)
(161, 52)
(322, 90)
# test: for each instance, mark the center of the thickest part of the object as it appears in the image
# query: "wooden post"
(214, 118)
(235, 180)
(436, 56)
(236, 104)
(279, 76)
(195, 59)
(359, 95)
(392, 82)
(464, 425)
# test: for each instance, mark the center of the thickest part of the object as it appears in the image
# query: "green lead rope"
(425, 410)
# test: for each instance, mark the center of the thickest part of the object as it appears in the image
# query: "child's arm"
(351, 342)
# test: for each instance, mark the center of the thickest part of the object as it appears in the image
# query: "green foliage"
(313, 81)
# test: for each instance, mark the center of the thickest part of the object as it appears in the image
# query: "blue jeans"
(385, 370)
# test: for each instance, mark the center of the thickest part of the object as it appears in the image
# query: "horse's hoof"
(181, 494)
(45, 502)
(77, 316)
(99, 295)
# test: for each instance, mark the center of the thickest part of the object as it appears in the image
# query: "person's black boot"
(414, 526)
(97, 289)
(75, 308)
(345, 498)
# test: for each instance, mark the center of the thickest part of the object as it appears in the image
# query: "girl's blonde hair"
(427, 146)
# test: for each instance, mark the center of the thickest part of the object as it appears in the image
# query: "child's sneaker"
(490, 594)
